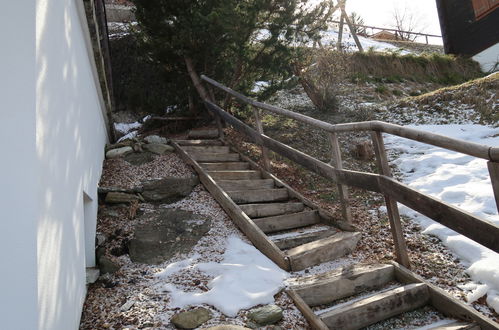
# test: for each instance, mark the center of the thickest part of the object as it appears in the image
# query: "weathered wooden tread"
(235, 175)
(345, 282)
(271, 209)
(234, 185)
(458, 325)
(214, 157)
(203, 133)
(376, 308)
(322, 250)
(207, 149)
(210, 142)
(258, 196)
(287, 243)
(288, 221)
(225, 166)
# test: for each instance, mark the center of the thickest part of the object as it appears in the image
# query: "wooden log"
(377, 308)
(258, 196)
(494, 178)
(247, 226)
(288, 221)
(225, 166)
(235, 175)
(207, 157)
(454, 326)
(205, 133)
(207, 149)
(272, 209)
(305, 238)
(342, 189)
(444, 302)
(212, 142)
(345, 282)
(352, 28)
(259, 129)
(314, 321)
(236, 185)
(339, 45)
(391, 204)
(322, 250)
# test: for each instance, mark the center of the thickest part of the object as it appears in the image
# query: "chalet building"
(53, 109)
(471, 28)
(384, 35)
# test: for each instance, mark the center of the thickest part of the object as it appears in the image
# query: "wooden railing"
(467, 224)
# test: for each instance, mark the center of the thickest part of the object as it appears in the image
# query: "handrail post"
(494, 179)
(337, 162)
(218, 121)
(259, 128)
(391, 204)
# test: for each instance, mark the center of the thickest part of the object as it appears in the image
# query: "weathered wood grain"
(258, 196)
(214, 157)
(235, 175)
(225, 166)
(314, 321)
(235, 185)
(337, 162)
(271, 209)
(207, 149)
(212, 142)
(304, 238)
(287, 221)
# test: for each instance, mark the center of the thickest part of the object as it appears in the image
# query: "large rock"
(159, 148)
(118, 152)
(166, 234)
(139, 158)
(155, 139)
(168, 190)
(119, 197)
(108, 266)
(265, 315)
(191, 319)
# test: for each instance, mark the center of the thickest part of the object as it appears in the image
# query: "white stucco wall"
(489, 58)
(70, 139)
(18, 176)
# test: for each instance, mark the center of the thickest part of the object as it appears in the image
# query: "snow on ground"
(462, 181)
(243, 279)
(330, 37)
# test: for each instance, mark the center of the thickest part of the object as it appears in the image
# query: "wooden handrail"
(465, 147)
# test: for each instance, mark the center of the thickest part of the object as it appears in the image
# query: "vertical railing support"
(391, 204)
(494, 179)
(220, 127)
(337, 162)
(259, 128)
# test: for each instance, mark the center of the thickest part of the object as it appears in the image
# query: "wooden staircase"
(359, 296)
(284, 225)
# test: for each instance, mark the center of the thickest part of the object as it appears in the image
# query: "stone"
(155, 139)
(227, 327)
(107, 266)
(166, 234)
(126, 143)
(191, 319)
(159, 148)
(119, 197)
(141, 158)
(92, 275)
(118, 152)
(168, 190)
(100, 239)
(265, 315)
(126, 306)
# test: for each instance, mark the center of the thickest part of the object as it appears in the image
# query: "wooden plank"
(207, 149)
(205, 133)
(259, 128)
(235, 175)
(213, 142)
(377, 308)
(323, 250)
(287, 221)
(225, 166)
(301, 239)
(391, 204)
(314, 321)
(258, 196)
(326, 288)
(444, 302)
(453, 326)
(207, 157)
(494, 178)
(247, 226)
(268, 210)
(337, 162)
(235, 185)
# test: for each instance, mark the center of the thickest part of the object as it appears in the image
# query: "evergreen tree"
(236, 42)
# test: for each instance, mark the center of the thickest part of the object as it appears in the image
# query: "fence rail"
(465, 223)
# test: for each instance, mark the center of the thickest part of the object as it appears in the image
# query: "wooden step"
(214, 157)
(377, 308)
(235, 175)
(322, 250)
(205, 133)
(235, 185)
(300, 239)
(258, 195)
(207, 149)
(272, 209)
(213, 142)
(225, 166)
(288, 221)
(344, 282)
(458, 325)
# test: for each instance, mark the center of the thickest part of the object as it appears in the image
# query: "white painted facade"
(488, 59)
(53, 132)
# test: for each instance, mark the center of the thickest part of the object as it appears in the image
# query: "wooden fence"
(467, 224)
